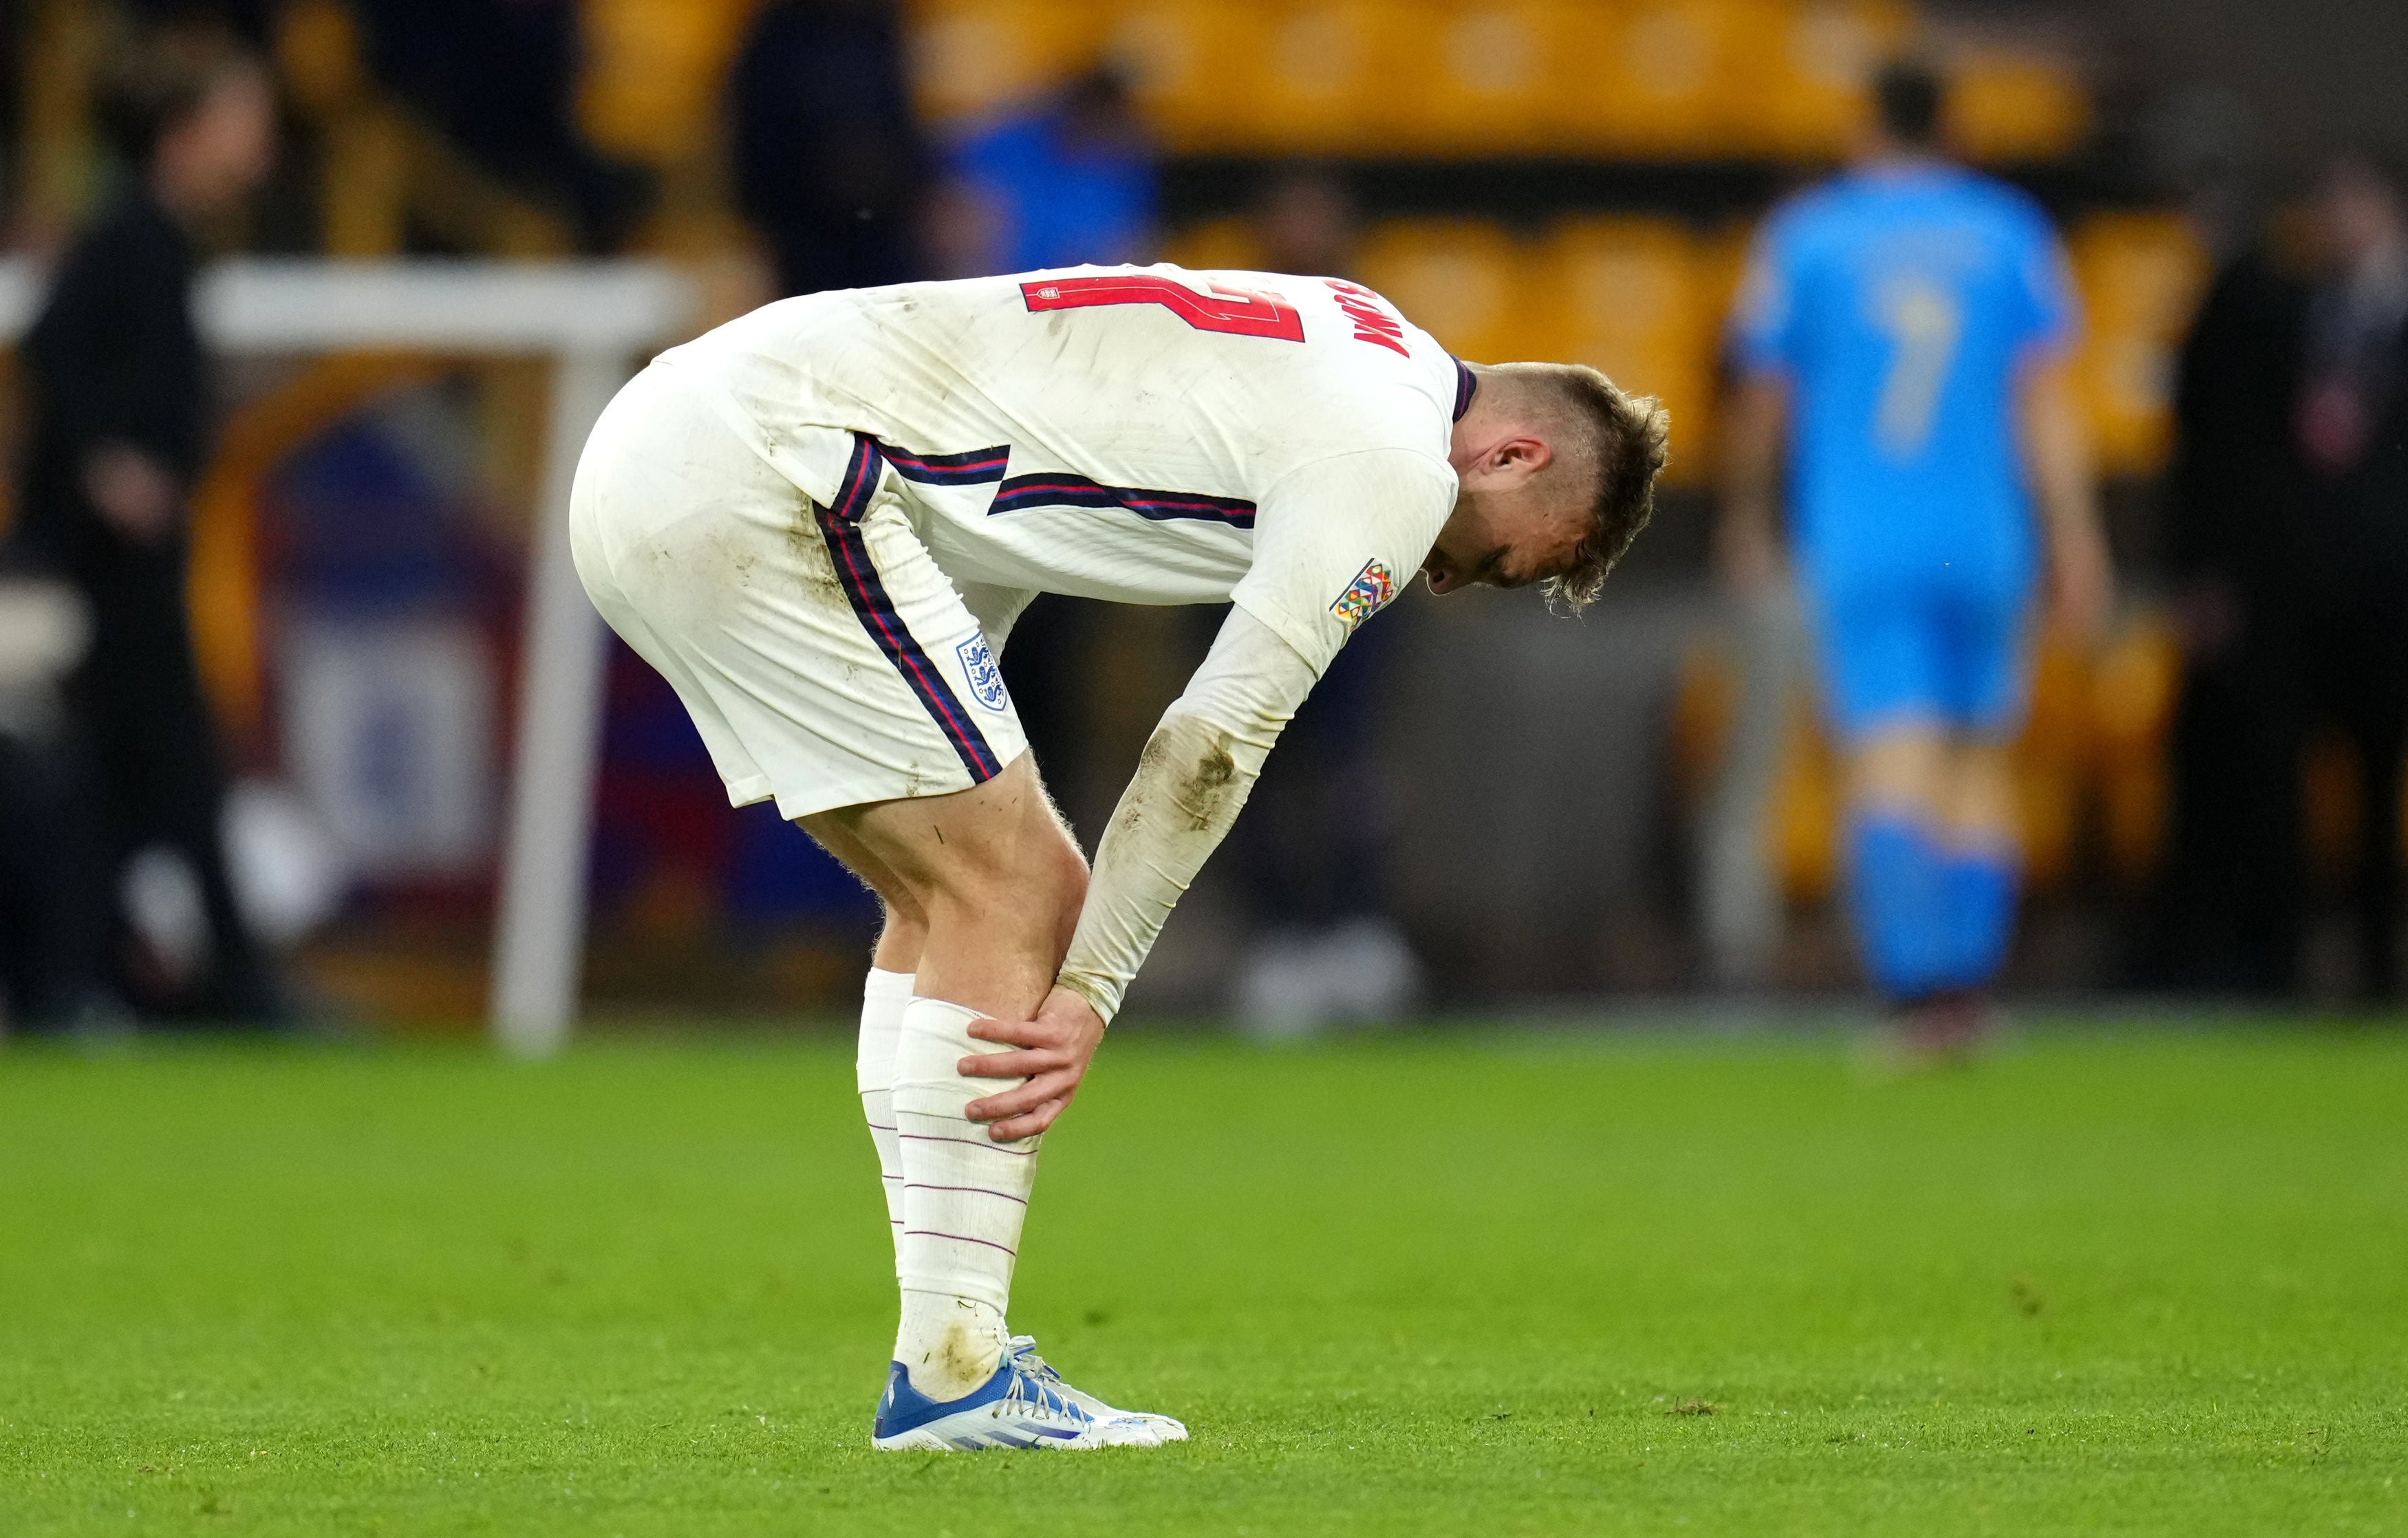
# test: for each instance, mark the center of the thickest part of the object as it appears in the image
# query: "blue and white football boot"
(1022, 1349)
(1015, 1408)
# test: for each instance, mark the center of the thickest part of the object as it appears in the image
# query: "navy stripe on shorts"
(841, 526)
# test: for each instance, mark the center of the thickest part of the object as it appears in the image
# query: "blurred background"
(1486, 807)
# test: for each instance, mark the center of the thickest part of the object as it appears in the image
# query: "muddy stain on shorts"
(814, 568)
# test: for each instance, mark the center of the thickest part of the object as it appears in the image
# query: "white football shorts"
(824, 656)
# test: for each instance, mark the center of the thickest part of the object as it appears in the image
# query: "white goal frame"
(591, 319)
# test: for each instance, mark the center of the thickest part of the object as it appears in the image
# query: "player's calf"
(997, 882)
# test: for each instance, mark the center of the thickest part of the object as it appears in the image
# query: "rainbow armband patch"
(1365, 596)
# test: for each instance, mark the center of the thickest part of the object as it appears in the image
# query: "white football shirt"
(1144, 434)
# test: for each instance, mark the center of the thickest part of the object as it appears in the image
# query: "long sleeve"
(1335, 541)
(1191, 781)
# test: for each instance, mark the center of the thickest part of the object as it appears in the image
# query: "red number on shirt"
(1235, 312)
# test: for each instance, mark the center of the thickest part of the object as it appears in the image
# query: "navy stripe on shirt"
(973, 467)
(1056, 488)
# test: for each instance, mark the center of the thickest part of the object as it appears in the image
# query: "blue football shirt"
(1901, 302)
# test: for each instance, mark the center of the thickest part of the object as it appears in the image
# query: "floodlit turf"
(1454, 1284)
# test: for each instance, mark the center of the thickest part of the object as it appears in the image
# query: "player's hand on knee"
(1051, 1057)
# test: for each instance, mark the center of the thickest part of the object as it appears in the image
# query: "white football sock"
(883, 994)
(964, 1197)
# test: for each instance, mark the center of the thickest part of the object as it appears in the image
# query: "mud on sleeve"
(1190, 782)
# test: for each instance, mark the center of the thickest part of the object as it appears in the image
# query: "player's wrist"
(1099, 997)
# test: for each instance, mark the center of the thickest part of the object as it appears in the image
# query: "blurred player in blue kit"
(1902, 334)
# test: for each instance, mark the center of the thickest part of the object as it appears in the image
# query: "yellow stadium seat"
(1635, 299)
(2332, 799)
(2141, 278)
(1197, 66)
(1217, 244)
(1488, 77)
(1722, 257)
(1461, 281)
(2330, 804)
(653, 71)
(1812, 98)
(2052, 760)
(1808, 804)
(1751, 66)
(1340, 76)
(1706, 691)
(1643, 78)
(1802, 803)
(2009, 104)
(2133, 690)
(973, 56)
(2092, 755)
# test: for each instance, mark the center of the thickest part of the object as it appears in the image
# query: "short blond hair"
(1613, 440)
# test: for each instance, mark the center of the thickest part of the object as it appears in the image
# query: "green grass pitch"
(1508, 1283)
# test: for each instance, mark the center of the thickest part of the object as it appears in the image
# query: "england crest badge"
(985, 678)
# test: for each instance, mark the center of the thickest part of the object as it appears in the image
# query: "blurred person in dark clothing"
(1309, 222)
(1310, 848)
(828, 161)
(53, 907)
(2291, 498)
(2352, 429)
(2229, 914)
(2346, 644)
(117, 386)
(500, 77)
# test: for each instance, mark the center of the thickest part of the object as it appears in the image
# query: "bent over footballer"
(819, 522)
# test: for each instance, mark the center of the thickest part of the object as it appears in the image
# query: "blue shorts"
(1956, 657)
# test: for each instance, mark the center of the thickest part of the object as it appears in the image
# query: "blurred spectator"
(1070, 180)
(115, 375)
(1901, 331)
(53, 906)
(2293, 501)
(2352, 427)
(2229, 914)
(828, 161)
(500, 77)
(1309, 846)
(1309, 223)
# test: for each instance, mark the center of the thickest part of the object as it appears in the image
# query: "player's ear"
(1524, 456)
